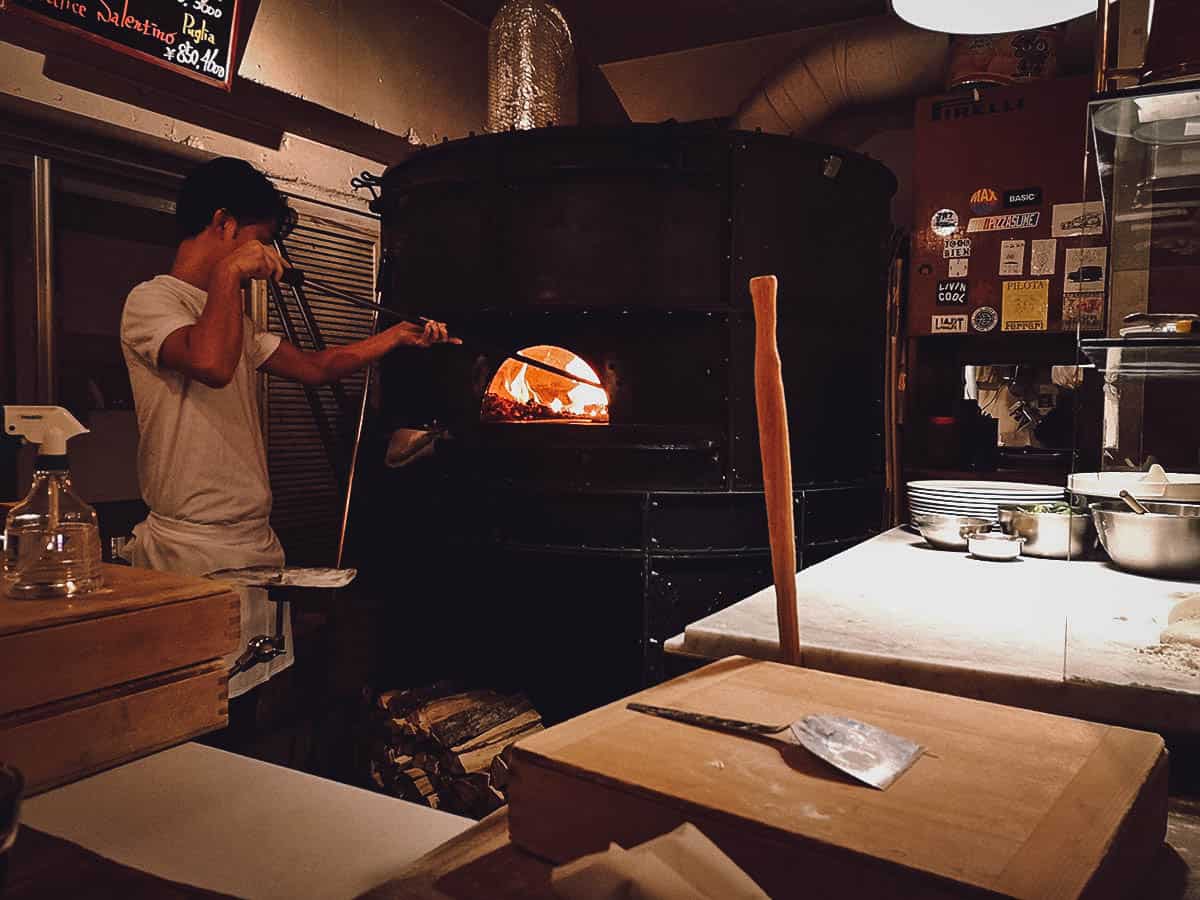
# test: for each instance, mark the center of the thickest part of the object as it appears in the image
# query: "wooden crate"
(113, 675)
(1007, 802)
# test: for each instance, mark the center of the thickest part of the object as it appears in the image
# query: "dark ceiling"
(607, 30)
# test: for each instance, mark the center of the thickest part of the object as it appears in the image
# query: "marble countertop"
(897, 600)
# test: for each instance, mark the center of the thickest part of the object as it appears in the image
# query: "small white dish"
(995, 546)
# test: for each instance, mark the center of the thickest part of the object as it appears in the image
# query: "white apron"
(193, 549)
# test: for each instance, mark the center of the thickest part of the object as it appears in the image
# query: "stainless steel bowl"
(948, 532)
(1049, 535)
(1164, 543)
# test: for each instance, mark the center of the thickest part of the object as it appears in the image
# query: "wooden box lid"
(1006, 801)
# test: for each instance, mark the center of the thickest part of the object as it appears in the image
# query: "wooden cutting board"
(103, 678)
(1006, 802)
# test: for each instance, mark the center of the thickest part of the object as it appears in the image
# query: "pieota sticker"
(956, 248)
(984, 200)
(1085, 310)
(1012, 257)
(1030, 196)
(1075, 219)
(944, 222)
(1041, 256)
(958, 268)
(949, 325)
(985, 318)
(1007, 222)
(952, 292)
(1025, 305)
(1083, 269)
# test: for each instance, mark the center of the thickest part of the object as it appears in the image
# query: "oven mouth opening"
(519, 392)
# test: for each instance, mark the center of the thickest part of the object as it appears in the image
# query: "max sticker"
(1025, 305)
(1083, 269)
(1012, 257)
(984, 200)
(952, 292)
(956, 248)
(985, 318)
(1085, 310)
(1006, 222)
(944, 222)
(1041, 256)
(949, 325)
(1074, 219)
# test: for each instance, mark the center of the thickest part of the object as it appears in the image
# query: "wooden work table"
(1074, 638)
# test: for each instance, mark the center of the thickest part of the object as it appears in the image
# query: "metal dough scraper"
(863, 751)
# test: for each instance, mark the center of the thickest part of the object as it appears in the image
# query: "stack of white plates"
(976, 498)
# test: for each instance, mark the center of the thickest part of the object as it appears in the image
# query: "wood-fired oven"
(564, 530)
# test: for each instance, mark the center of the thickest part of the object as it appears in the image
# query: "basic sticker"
(944, 222)
(949, 325)
(1075, 219)
(1025, 305)
(958, 267)
(1085, 310)
(1012, 257)
(956, 248)
(985, 318)
(952, 292)
(1006, 222)
(1031, 196)
(1041, 256)
(984, 200)
(1083, 269)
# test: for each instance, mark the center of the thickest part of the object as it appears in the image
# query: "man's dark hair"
(237, 187)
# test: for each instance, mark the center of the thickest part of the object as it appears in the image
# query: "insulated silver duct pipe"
(884, 61)
(532, 78)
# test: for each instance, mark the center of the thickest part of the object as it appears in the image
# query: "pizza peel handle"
(776, 463)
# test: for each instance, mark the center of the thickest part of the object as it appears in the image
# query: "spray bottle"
(51, 538)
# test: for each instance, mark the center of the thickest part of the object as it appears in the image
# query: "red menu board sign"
(195, 38)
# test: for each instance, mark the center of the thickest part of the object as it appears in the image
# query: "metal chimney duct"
(532, 78)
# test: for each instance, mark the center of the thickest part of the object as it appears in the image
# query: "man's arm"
(331, 364)
(210, 350)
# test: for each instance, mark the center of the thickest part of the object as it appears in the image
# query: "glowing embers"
(520, 392)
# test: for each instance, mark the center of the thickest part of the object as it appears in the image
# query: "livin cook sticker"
(949, 325)
(952, 292)
(1025, 305)
(1005, 222)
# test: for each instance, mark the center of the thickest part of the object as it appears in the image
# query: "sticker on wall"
(956, 248)
(1083, 269)
(949, 325)
(1031, 196)
(958, 268)
(1025, 305)
(1085, 310)
(1041, 256)
(985, 318)
(944, 222)
(1075, 219)
(984, 201)
(1007, 222)
(1012, 257)
(952, 292)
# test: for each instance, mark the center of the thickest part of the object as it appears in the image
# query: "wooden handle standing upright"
(775, 447)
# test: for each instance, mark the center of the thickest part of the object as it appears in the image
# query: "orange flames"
(520, 392)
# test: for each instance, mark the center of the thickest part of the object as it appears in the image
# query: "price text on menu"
(194, 37)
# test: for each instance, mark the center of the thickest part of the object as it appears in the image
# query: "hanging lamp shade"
(989, 16)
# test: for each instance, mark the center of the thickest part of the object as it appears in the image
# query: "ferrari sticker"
(1012, 257)
(1025, 305)
(1007, 222)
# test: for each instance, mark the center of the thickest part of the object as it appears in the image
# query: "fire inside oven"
(519, 392)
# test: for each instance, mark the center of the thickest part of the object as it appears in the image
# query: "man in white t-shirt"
(192, 355)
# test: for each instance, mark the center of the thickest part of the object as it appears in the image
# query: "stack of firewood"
(436, 745)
